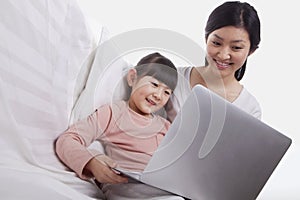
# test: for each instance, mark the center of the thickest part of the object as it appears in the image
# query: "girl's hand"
(101, 168)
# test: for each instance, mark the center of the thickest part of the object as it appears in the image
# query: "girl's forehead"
(152, 79)
(145, 78)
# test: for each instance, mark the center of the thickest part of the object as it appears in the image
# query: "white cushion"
(105, 82)
(42, 48)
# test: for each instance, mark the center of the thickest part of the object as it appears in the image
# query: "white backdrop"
(271, 71)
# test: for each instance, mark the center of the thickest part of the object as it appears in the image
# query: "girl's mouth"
(150, 101)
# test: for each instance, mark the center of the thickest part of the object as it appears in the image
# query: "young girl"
(129, 130)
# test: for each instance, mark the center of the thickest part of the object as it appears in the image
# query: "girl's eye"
(154, 84)
(167, 92)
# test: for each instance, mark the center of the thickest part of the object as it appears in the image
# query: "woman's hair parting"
(159, 67)
(240, 15)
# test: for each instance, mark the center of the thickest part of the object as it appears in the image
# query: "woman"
(232, 33)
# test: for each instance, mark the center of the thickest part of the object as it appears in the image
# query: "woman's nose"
(224, 53)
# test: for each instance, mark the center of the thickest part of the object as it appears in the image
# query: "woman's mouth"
(222, 65)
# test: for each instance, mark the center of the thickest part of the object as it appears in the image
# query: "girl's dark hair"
(238, 14)
(159, 67)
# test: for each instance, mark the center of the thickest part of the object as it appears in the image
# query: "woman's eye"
(237, 48)
(216, 43)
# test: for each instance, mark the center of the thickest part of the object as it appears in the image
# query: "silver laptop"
(214, 151)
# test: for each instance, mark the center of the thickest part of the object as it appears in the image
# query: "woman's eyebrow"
(238, 41)
(234, 41)
(217, 36)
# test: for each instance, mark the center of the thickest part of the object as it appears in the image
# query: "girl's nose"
(158, 93)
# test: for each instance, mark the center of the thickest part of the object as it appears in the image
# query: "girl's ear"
(131, 77)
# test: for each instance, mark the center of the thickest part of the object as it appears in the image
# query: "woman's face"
(227, 49)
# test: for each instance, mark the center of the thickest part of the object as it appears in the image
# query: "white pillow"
(101, 80)
(43, 45)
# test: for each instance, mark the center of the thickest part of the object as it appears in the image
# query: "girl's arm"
(71, 147)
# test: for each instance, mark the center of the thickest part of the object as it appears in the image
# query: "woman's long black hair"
(238, 14)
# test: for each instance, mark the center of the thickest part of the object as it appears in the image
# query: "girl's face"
(227, 49)
(148, 95)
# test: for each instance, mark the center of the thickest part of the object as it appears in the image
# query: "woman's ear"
(252, 51)
(131, 76)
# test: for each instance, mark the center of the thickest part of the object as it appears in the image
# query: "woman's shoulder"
(248, 102)
(248, 96)
(184, 70)
(184, 74)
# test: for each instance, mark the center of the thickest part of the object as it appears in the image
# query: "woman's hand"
(101, 168)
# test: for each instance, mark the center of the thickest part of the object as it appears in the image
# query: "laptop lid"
(214, 150)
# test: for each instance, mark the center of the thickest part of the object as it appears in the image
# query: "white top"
(245, 101)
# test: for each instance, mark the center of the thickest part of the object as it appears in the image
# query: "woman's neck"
(227, 87)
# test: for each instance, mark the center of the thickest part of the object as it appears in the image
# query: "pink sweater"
(128, 137)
